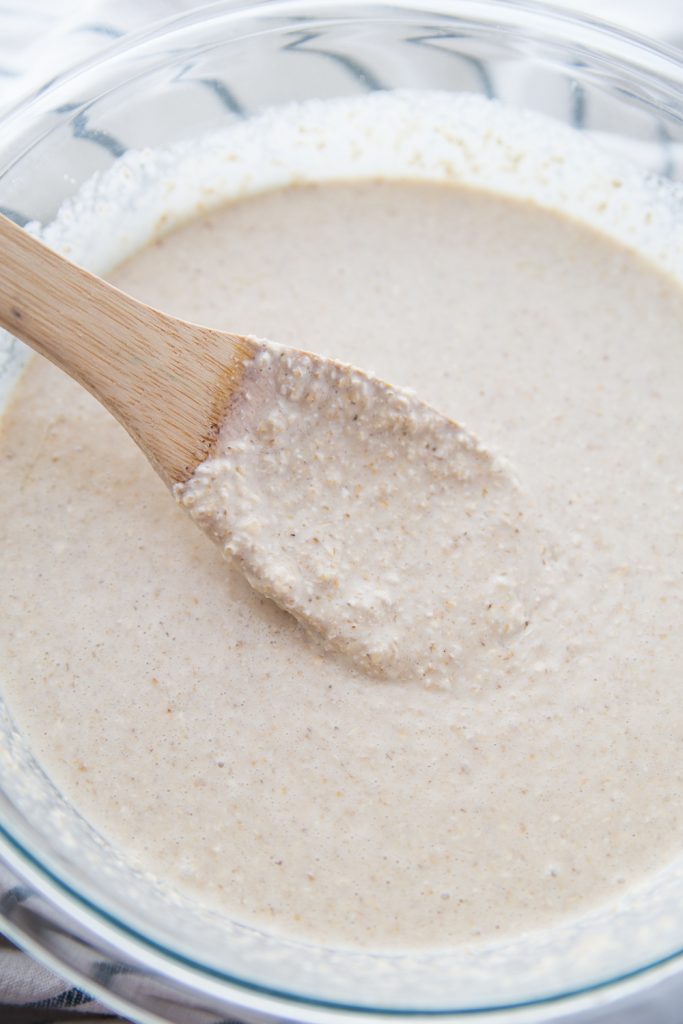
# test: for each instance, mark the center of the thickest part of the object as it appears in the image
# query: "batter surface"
(195, 724)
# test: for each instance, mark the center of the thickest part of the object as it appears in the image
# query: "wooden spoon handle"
(158, 375)
(78, 321)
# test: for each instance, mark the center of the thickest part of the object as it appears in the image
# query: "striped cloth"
(31, 994)
(38, 39)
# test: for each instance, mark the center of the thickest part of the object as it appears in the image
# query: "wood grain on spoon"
(167, 381)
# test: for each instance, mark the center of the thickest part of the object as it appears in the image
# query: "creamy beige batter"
(386, 528)
(195, 724)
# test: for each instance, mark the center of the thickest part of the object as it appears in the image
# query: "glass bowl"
(68, 897)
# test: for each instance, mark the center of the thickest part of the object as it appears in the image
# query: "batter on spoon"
(388, 530)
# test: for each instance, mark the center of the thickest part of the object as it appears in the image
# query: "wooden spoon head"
(175, 408)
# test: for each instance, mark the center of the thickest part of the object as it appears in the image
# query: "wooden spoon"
(167, 381)
(334, 492)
